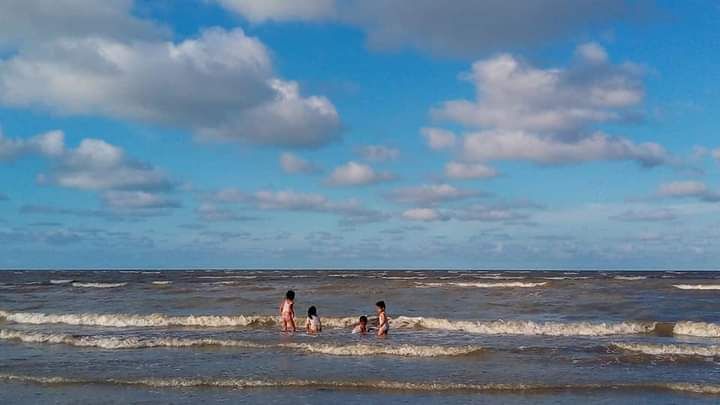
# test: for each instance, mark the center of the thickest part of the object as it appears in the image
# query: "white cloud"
(716, 153)
(123, 200)
(423, 214)
(464, 171)
(264, 10)
(356, 174)
(648, 215)
(513, 95)
(457, 28)
(35, 20)
(220, 85)
(688, 188)
(438, 138)
(379, 153)
(547, 150)
(430, 194)
(294, 164)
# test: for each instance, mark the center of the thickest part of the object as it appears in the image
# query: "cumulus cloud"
(95, 165)
(431, 194)
(261, 10)
(688, 188)
(350, 211)
(548, 150)
(378, 153)
(465, 171)
(457, 28)
(547, 115)
(438, 138)
(294, 164)
(220, 85)
(356, 174)
(35, 20)
(650, 215)
(423, 214)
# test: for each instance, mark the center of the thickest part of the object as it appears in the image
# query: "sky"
(558, 134)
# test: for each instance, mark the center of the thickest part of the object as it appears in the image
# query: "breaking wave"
(130, 342)
(162, 282)
(670, 349)
(98, 285)
(514, 284)
(697, 286)
(700, 329)
(401, 322)
(630, 278)
(247, 383)
(61, 281)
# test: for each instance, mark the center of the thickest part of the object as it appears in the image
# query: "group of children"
(313, 324)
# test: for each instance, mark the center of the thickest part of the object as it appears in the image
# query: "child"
(383, 322)
(312, 324)
(361, 327)
(287, 312)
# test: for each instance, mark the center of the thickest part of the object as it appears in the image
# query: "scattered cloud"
(688, 188)
(438, 138)
(716, 153)
(294, 164)
(650, 215)
(423, 214)
(227, 90)
(431, 194)
(378, 153)
(258, 11)
(466, 171)
(547, 116)
(356, 174)
(124, 200)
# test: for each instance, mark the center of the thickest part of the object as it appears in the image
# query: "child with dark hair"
(383, 322)
(361, 327)
(312, 324)
(287, 312)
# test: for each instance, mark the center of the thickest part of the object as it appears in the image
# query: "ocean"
(510, 337)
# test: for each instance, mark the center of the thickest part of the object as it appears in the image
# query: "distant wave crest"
(670, 349)
(700, 329)
(98, 285)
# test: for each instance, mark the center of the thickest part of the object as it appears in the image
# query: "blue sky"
(343, 133)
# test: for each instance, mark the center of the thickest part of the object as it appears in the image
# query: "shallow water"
(456, 336)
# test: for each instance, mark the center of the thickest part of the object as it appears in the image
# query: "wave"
(158, 320)
(162, 282)
(130, 342)
(61, 281)
(670, 349)
(700, 329)
(401, 322)
(245, 383)
(697, 286)
(98, 285)
(514, 284)
(526, 327)
(630, 278)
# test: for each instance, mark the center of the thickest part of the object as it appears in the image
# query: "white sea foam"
(630, 278)
(162, 282)
(526, 327)
(701, 329)
(61, 281)
(697, 286)
(98, 285)
(670, 349)
(132, 342)
(514, 284)
(245, 383)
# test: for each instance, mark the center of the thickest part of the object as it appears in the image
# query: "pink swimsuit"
(286, 310)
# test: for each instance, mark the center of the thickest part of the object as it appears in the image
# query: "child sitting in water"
(383, 322)
(287, 312)
(361, 327)
(312, 324)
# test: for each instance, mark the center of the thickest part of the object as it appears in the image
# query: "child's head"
(380, 305)
(290, 295)
(363, 320)
(312, 312)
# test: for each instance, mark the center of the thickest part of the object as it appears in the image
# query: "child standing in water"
(383, 322)
(287, 312)
(312, 324)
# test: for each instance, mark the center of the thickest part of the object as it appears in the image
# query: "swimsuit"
(286, 311)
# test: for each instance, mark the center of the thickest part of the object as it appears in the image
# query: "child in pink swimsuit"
(287, 312)
(383, 321)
